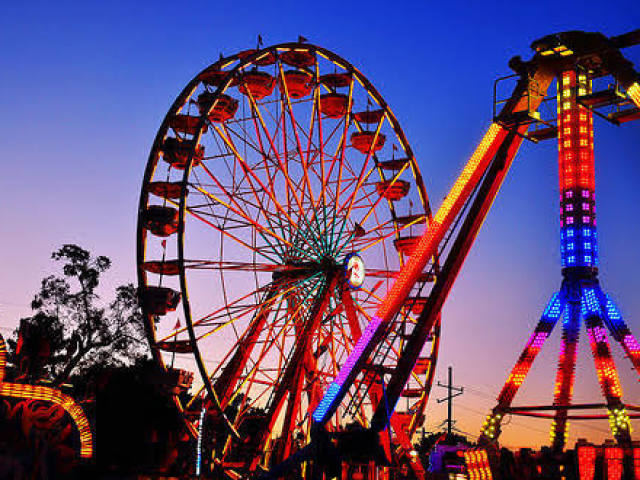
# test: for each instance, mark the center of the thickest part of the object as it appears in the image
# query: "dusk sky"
(85, 87)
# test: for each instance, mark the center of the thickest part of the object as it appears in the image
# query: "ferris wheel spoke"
(341, 148)
(227, 380)
(395, 178)
(294, 362)
(294, 127)
(361, 179)
(250, 173)
(290, 188)
(258, 250)
(247, 308)
(271, 341)
(240, 212)
(305, 184)
(253, 223)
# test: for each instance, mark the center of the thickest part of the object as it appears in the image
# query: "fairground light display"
(283, 208)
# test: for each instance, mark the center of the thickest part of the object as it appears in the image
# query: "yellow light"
(47, 394)
(547, 52)
(634, 92)
(566, 53)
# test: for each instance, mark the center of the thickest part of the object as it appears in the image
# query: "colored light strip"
(634, 93)
(605, 366)
(578, 242)
(550, 316)
(47, 394)
(613, 459)
(424, 251)
(586, 462)
(334, 389)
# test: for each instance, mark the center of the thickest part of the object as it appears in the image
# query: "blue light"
(589, 303)
(327, 401)
(554, 307)
(578, 247)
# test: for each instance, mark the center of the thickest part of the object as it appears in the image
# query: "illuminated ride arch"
(281, 192)
(51, 395)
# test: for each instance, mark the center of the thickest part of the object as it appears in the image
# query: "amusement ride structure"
(580, 297)
(282, 207)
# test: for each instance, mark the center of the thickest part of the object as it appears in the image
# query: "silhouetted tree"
(71, 331)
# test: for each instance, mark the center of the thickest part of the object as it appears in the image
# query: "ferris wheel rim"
(154, 159)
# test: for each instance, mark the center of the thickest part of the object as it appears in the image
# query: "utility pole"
(452, 392)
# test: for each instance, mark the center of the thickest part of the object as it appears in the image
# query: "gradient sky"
(85, 86)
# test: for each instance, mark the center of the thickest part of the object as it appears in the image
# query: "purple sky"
(84, 89)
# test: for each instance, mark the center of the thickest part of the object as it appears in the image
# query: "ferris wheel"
(280, 201)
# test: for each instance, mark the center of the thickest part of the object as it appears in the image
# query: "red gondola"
(363, 141)
(334, 105)
(416, 304)
(257, 84)
(335, 80)
(394, 165)
(393, 190)
(159, 220)
(159, 300)
(176, 152)
(187, 124)
(168, 190)
(166, 267)
(406, 245)
(213, 78)
(369, 116)
(298, 83)
(224, 106)
(300, 59)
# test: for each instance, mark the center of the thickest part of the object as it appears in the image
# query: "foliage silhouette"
(71, 331)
